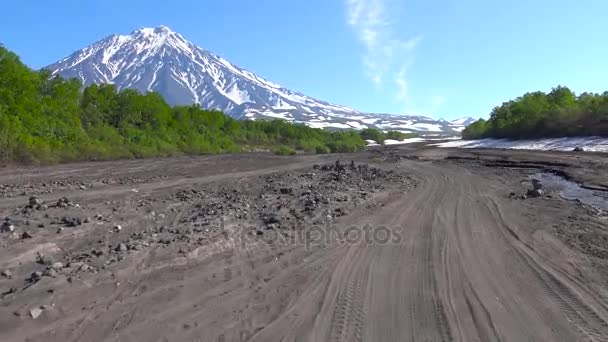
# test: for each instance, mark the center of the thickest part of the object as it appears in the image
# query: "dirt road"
(424, 249)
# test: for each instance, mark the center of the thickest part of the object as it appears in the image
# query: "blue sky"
(442, 58)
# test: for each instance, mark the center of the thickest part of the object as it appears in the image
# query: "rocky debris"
(7, 274)
(26, 235)
(57, 266)
(536, 184)
(12, 190)
(269, 218)
(341, 212)
(64, 202)
(50, 272)
(35, 276)
(35, 312)
(44, 259)
(35, 203)
(534, 193)
(121, 247)
(7, 226)
(185, 195)
(286, 191)
(71, 221)
(275, 203)
(578, 149)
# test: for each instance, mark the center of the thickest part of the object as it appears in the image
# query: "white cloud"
(386, 57)
(402, 88)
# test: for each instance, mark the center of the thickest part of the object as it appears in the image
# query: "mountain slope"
(161, 60)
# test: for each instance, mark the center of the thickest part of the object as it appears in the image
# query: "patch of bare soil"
(403, 243)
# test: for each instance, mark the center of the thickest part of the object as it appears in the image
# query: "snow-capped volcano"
(161, 60)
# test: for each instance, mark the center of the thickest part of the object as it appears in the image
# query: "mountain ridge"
(162, 60)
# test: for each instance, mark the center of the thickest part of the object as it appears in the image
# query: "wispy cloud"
(387, 57)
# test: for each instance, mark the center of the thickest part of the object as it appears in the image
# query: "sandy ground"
(402, 244)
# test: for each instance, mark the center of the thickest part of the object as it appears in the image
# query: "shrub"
(284, 151)
(322, 149)
(46, 119)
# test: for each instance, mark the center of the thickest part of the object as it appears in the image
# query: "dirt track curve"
(464, 262)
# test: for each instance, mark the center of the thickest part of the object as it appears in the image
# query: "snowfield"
(404, 141)
(162, 60)
(592, 144)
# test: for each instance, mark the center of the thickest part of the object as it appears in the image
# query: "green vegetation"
(46, 119)
(285, 151)
(379, 136)
(559, 113)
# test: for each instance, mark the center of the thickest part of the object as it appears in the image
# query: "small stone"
(7, 274)
(121, 247)
(59, 230)
(57, 266)
(35, 313)
(71, 221)
(536, 184)
(117, 228)
(26, 235)
(82, 187)
(7, 228)
(35, 201)
(535, 193)
(63, 202)
(36, 276)
(44, 260)
(272, 226)
(49, 272)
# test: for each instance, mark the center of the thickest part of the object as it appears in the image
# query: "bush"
(284, 151)
(322, 149)
(46, 119)
(559, 113)
(372, 134)
(395, 135)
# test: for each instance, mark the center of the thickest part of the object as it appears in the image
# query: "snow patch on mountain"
(161, 60)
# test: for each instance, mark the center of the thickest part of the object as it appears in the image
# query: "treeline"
(380, 136)
(46, 119)
(559, 113)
